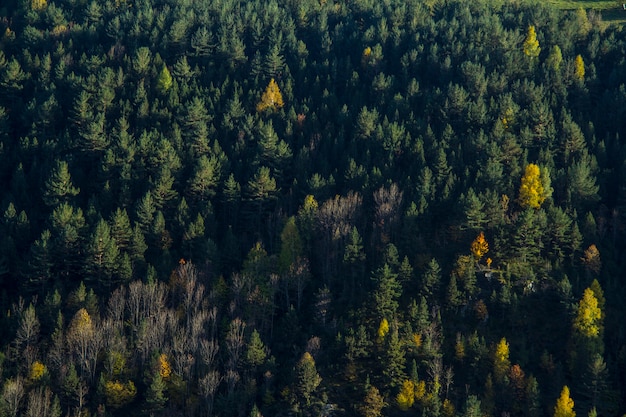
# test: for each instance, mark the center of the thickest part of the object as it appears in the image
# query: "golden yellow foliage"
(165, 370)
(501, 363)
(37, 371)
(531, 192)
(564, 405)
(588, 320)
(417, 340)
(119, 394)
(383, 328)
(531, 44)
(38, 4)
(479, 246)
(406, 396)
(271, 99)
(579, 68)
(489, 261)
(420, 390)
(447, 408)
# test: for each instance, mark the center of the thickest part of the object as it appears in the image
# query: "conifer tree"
(59, 187)
(164, 82)
(307, 378)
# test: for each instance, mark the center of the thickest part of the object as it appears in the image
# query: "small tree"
(479, 246)
(564, 405)
(164, 82)
(271, 99)
(531, 44)
(531, 192)
(579, 68)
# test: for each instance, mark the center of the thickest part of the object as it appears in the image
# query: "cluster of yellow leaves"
(420, 390)
(38, 4)
(579, 68)
(37, 371)
(531, 44)
(417, 340)
(165, 370)
(409, 393)
(119, 394)
(589, 316)
(447, 408)
(564, 405)
(383, 329)
(59, 30)
(406, 396)
(271, 99)
(531, 192)
(479, 246)
(501, 363)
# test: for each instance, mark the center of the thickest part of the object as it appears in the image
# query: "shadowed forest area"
(311, 208)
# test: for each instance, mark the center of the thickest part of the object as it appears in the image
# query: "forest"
(311, 208)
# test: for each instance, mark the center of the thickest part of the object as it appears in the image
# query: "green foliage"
(387, 136)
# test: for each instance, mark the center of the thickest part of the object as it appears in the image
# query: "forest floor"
(612, 11)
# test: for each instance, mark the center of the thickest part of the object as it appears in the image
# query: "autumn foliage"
(479, 246)
(271, 99)
(564, 405)
(531, 192)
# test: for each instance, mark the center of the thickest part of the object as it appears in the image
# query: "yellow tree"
(531, 44)
(165, 369)
(271, 99)
(531, 191)
(38, 4)
(579, 68)
(564, 405)
(588, 320)
(406, 396)
(479, 246)
(501, 362)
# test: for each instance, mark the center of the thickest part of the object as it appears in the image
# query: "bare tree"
(12, 395)
(208, 387)
(41, 404)
(208, 351)
(387, 209)
(334, 221)
(235, 342)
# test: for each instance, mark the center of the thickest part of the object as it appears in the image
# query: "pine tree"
(102, 256)
(387, 292)
(59, 187)
(307, 378)
(164, 82)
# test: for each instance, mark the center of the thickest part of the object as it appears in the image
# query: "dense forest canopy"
(311, 208)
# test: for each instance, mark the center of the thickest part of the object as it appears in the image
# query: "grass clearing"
(612, 11)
